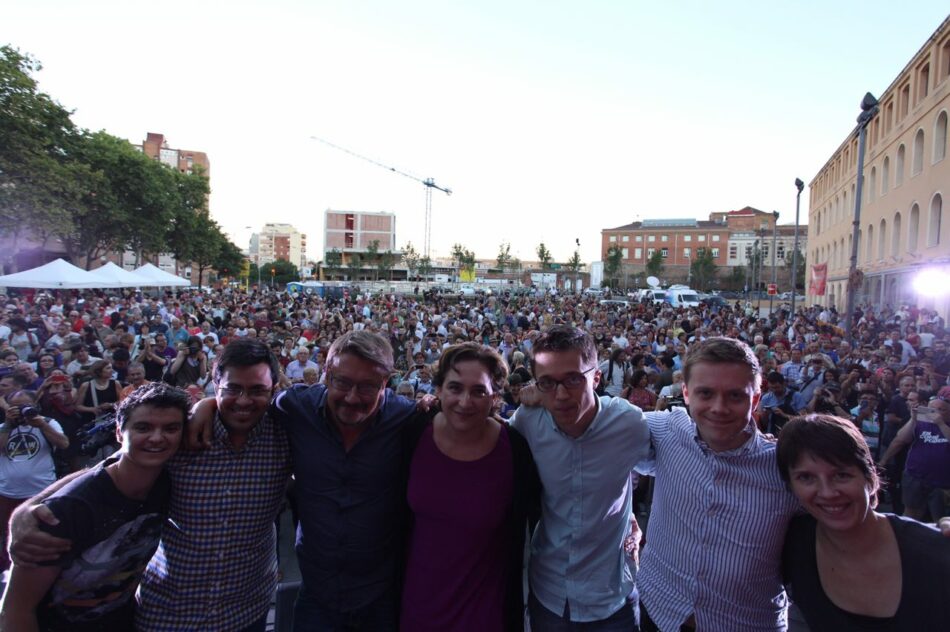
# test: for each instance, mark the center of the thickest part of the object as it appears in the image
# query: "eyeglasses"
(363, 389)
(256, 392)
(572, 382)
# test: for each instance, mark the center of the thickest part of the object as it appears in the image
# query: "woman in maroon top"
(637, 392)
(471, 488)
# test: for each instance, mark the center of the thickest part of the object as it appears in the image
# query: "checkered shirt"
(216, 567)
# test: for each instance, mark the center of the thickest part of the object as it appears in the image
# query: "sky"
(549, 121)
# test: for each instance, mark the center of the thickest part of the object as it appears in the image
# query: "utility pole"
(774, 245)
(798, 199)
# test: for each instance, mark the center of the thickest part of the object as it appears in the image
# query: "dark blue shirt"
(351, 504)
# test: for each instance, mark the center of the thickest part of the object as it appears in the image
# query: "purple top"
(929, 455)
(455, 575)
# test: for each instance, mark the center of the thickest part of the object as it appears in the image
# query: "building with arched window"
(906, 180)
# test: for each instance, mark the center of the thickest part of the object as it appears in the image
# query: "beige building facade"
(904, 229)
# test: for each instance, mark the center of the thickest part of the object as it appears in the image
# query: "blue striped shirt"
(577, 553)
(714, 540)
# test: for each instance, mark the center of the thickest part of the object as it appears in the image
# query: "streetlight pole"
(798, 198)
(774, 244)
(869, 108)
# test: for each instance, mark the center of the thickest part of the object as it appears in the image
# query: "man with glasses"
(585, 448)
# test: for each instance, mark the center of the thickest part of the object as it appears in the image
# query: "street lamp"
(798, 199)
(774, 245)
(869, 108)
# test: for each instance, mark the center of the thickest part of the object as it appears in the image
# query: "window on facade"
(651, 238)
(625, 253)
(701, 238)
(650, 252)
(715, 237)
(913, 228)
(733, 252)
(638, 238)
(936, 220)
(626, 238)
(888, 116)
(715, 253)
(945, 60)
(882, 240)
(896, 237)
(664, 237)
(612, 238)
(870, 251)
(940, 137)
(885, 174)
(638, 253)
(665, 252)
(687, 252)
(904, 101)
(872, 185)
(687, 238)
(923, 82)
(899, 167)
(918, 160)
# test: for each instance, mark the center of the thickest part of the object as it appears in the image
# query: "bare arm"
(200, 423)
(905, 436)
(81, 397)
(28, 543)
(23, 594)
(54, 436)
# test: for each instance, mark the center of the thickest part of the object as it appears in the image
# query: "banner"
(819, 275)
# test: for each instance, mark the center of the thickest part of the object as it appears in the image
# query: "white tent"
(124, 277)
(159, 277)
(57, 274)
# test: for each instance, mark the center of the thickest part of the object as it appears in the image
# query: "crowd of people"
(427, 434)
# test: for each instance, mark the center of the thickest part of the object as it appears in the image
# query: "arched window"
(872, 185)
(885, 174)
(896, 239)
(940, 137)
(834, 256)
(913, 229)
(869, 255)
(933, 228)
(918, 165)
(899, 167)
(882, 240)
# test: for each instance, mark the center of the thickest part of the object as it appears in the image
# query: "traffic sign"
(773, 289)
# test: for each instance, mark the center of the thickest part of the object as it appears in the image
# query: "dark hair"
(774, 377)
(565, 338)
(471, 351)
(829, 438)
(244, 352)
(637, 376)
(155, 394)
(722, 350)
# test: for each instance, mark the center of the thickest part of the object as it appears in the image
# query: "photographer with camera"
(27, 440)
(190, 365)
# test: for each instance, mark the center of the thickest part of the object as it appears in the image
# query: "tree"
(333, 261)
(410, 259)
(385, 263)
(212, 240)
(574, 264)
(703, 269)
(800, 273)
(544, 256)
(467, 263)
(354, 265)
(655, 264)
(425, 267)
(458, 254)
(738, 278)
(504, 257)
(614, 263)
(372, 257)
(230, 260)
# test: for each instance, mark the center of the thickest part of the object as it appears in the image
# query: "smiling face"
(721, 398)
(572, 408)
(151, 435)
(466, 395)
(838, 496)
(243, 394)
(356, 388)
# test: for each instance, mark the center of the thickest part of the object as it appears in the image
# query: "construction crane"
(429, 184)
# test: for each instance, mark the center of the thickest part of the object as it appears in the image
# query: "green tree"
(230, 260)
(655, 264)
(800, 273)
(703, 269)
(385, 263)
(574, 264)
(458, 255)
(468, 262)
(613, 264)
(333, 261)
(544, 256)
(410, 259)
(503, 260)
(372, 257)
(354, 265)
(738, 278)
(425, 267)
(209, 234)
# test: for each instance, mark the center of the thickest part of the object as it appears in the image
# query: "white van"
(682, 296)
(653, 295)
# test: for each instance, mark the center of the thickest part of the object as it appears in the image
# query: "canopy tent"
(57, 274)
(159, 277)
(122, 276)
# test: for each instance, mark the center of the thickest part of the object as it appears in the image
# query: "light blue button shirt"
(577, 551)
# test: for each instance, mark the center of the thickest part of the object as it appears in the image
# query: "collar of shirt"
(747, 447)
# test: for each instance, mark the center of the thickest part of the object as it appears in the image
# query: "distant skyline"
(548, 120)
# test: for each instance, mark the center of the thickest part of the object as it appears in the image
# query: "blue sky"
(549, 120)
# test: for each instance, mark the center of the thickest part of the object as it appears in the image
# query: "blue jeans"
(627, 619)
(310, 615)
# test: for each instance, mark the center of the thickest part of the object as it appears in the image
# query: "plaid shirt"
(216, 566)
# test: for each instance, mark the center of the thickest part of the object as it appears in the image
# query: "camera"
(28, 412)
(918, 371)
